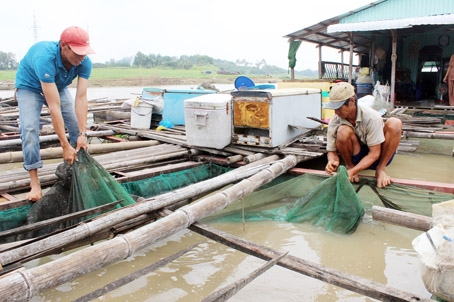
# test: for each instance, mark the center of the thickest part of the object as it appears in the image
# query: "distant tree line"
(187, 62)
(8, 62)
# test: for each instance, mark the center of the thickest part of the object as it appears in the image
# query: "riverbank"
(163, 81)
(159, 81)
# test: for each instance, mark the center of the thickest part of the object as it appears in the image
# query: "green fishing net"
(92, 185)
(333, 204)
(329, 202)
(84, 185)
(163, 183)
(12, 218)
(399, 197)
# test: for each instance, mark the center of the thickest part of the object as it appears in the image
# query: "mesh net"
(163, 183)
(329, 202)
(12, 218)
(92, 185)
(84, 185)
(333, 204)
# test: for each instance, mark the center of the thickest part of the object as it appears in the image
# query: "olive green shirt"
(368, 128)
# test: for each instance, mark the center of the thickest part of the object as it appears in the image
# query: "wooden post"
(393, 67)
(350, 64)
(409, 220)
(320, 74)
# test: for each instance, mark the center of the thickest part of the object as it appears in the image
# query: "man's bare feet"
(35, 193)
(383, 179)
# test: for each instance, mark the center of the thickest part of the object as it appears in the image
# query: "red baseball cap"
(78, 40)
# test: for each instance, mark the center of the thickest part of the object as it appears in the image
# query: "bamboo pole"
(24, 284)
(409, 220)
(147, 134)
(253, 157)
(51, 138)
(436, 135)
(236, 150)
(9, 128)
(104, 159)
(85, 230)
(56, 152)
(19, 178)
(234, 159)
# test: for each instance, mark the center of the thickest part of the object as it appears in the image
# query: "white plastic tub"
(141, 116)
(209, 120)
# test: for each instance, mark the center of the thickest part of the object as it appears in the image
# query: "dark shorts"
(363, 152)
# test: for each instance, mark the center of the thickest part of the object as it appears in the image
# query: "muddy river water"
(376, 251)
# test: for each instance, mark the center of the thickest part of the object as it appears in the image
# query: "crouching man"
(360, 136)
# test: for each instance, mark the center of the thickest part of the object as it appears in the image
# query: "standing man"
(449, 80)
(43, 77)
(360, 136)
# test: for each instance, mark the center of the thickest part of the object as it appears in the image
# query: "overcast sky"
(222, 29)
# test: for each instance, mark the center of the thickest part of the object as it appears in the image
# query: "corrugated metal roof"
(401, 9)
(391, 24)
(410, 17)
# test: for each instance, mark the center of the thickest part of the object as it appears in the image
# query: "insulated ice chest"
(174, 103)
(209, 120)
(273, 117)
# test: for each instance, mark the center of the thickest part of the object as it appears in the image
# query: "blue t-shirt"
(43, 63)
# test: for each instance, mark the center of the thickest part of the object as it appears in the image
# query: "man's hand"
(69, 154)
(331, 166)
(352, 177)
(81, 143)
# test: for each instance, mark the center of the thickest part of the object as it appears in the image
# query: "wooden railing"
(335, 71)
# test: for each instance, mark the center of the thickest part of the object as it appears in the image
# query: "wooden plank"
(357, 284)
(8, 197)
(15, 203)
(428, 185)
(226, 292)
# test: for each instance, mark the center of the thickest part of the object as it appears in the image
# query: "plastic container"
(262, 86)
(154, 96)
(209, 120)
(363, 89)
(243, 83)
(141, 116)
(174, 103)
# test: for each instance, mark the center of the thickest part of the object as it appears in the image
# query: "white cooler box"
(208, 120)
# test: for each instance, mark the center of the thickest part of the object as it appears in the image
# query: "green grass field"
(106, 73)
